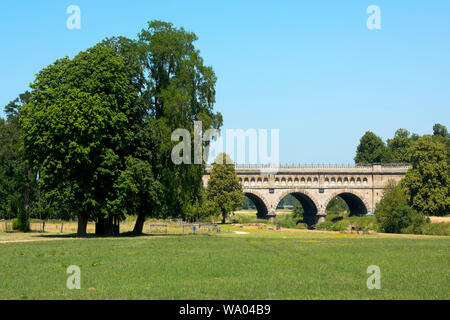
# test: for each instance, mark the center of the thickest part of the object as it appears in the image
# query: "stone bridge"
(360, 186)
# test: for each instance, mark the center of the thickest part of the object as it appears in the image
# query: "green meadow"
(260, 264)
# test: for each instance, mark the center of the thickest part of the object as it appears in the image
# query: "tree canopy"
(428, 181)
(371, 149)
(76, 130)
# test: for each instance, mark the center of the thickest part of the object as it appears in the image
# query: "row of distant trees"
(373, 149)
(425, 190)
(91, 139)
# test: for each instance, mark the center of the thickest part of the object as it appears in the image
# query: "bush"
(395, 215)
(437, 229)
(288, 221)
(245, 218)
(21, 225)
(402, 219)
(326, 225)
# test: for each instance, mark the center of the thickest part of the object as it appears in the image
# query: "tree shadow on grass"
(123, 235)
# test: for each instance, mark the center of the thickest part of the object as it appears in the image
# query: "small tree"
(224, 187)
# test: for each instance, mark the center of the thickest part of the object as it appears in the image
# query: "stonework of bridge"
(360, 186)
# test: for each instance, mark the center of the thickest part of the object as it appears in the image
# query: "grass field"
(263, 264)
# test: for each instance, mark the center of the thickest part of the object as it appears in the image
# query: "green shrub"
(244, 218)
(21, 225)
(326, 225)
(395, 215)
(335, 217)
(402, 219)
(286, 221)
(437, 229)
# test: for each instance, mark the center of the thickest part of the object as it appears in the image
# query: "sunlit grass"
(263, 264)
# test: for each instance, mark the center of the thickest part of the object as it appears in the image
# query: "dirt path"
(35, 240)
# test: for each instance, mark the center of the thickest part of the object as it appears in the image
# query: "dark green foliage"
(76, 130)
(440, 130)
(138, 191)
(21, 224)
(202, 210)
(13, 167)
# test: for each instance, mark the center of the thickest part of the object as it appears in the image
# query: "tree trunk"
(139, 223)
(82, 225)
(26, 196)
(107, 226)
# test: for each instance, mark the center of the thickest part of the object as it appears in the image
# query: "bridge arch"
(308, 202)
(355, 202)
(262, 206)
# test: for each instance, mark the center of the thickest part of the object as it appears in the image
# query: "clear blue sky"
(309, 68)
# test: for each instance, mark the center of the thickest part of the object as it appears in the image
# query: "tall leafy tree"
(428, 181)
(224, 187)
(371, 149)
(76, 131)
(179, 89)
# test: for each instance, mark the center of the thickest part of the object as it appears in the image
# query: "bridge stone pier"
(360, 186)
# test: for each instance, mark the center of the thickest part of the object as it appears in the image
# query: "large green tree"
(76, 131)
(428, 180)
(224, 187)
(371, 149)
